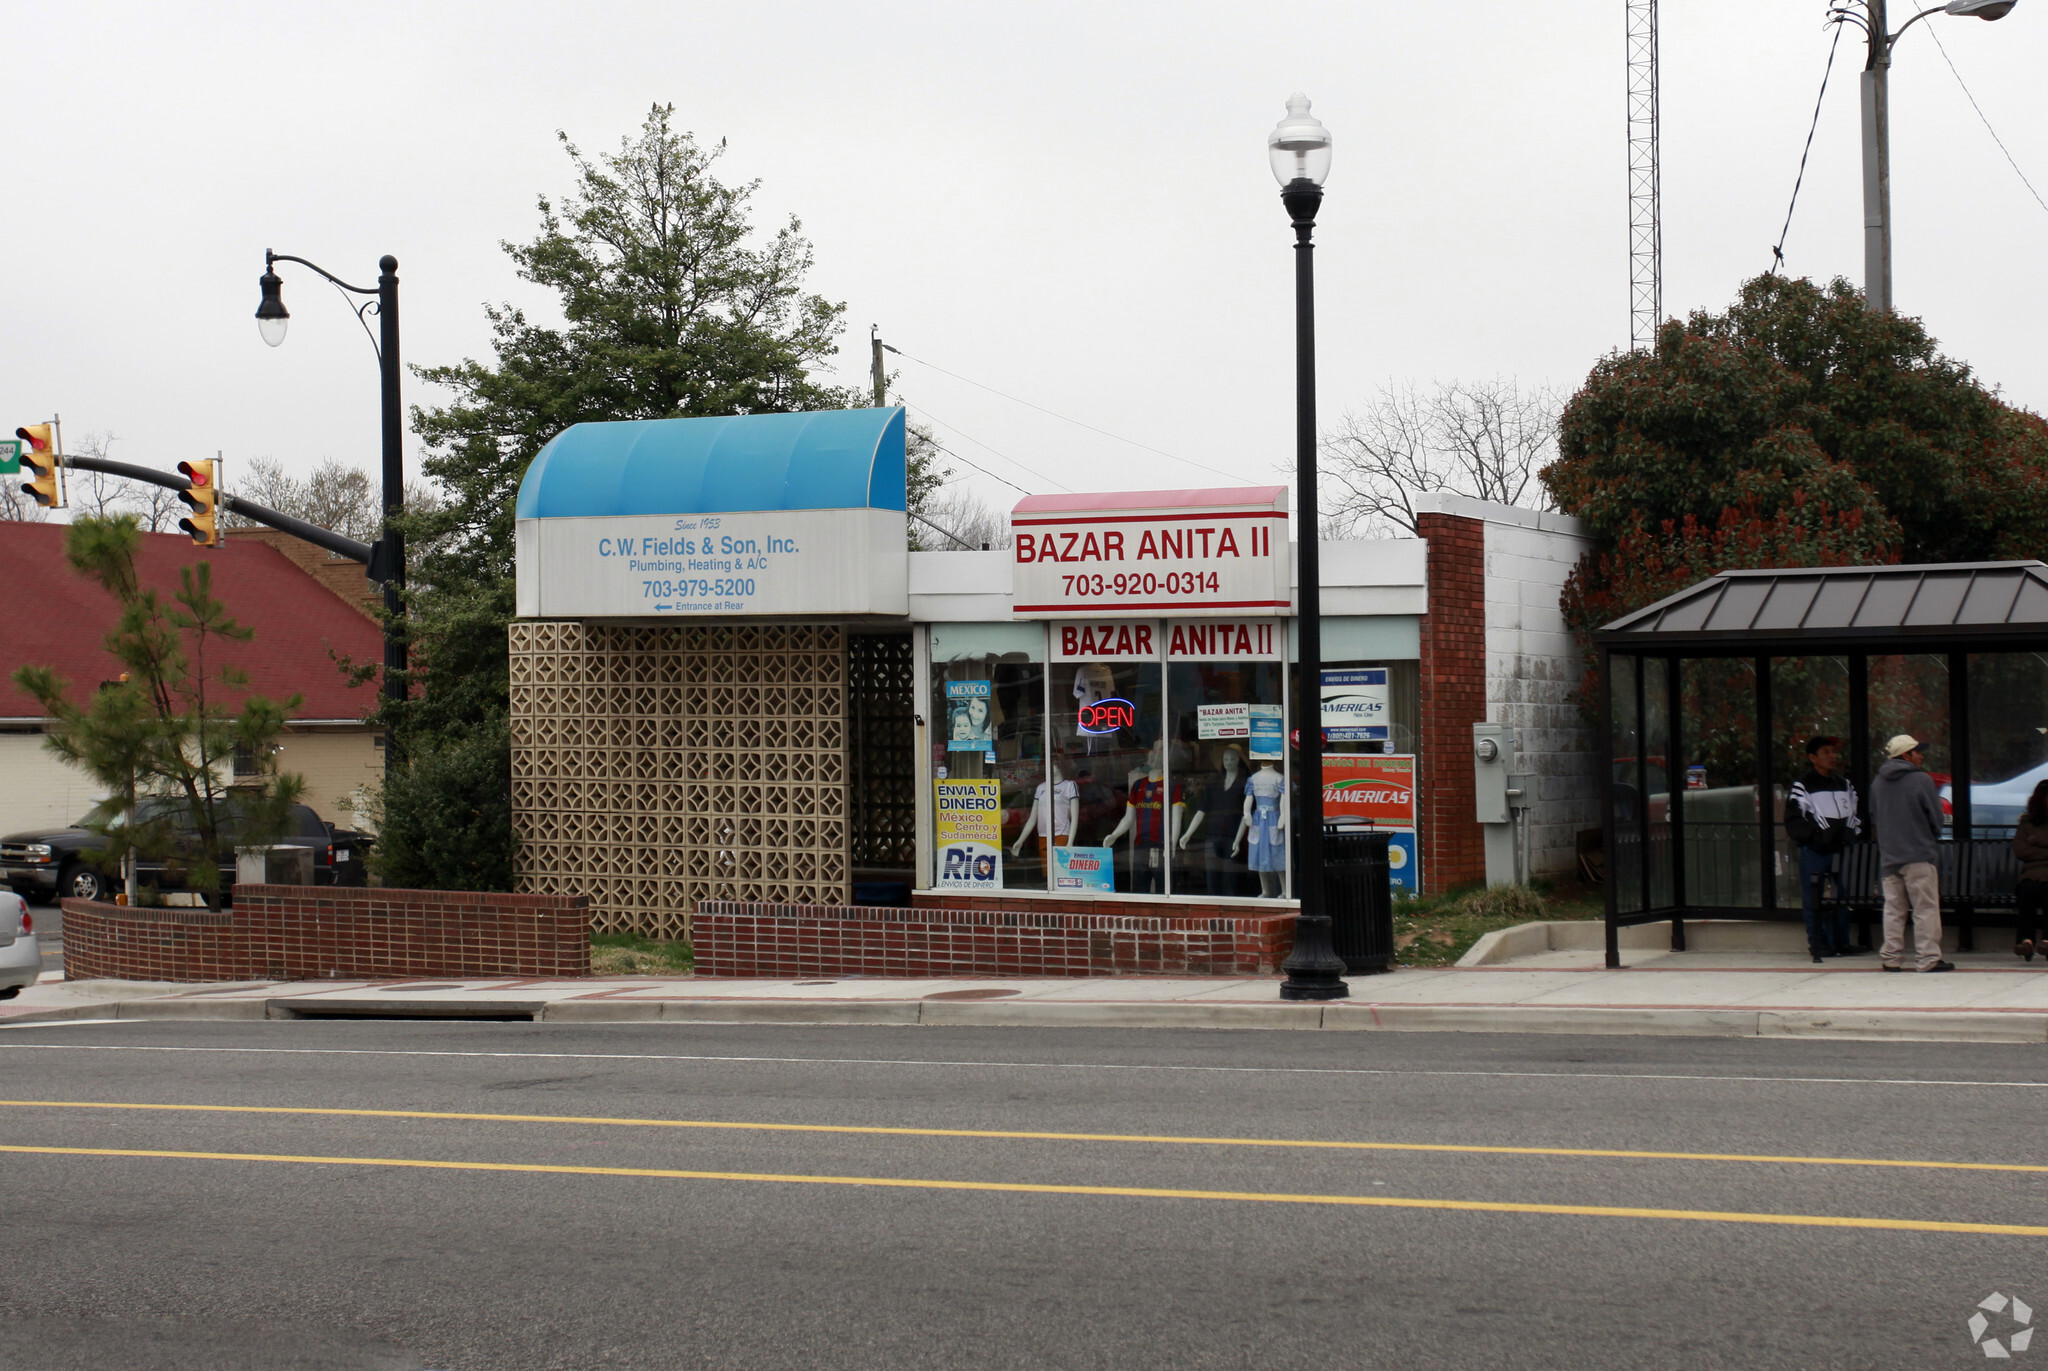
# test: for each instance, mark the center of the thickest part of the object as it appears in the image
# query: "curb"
(1868, 1024)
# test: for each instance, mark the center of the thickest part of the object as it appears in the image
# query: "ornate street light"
(1299, 148)
(387, 559)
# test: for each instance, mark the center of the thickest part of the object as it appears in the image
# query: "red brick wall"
(288, 932)
(734, 939)
(1453, 699)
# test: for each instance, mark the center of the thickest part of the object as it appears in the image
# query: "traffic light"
(41, 464)
(201, 497)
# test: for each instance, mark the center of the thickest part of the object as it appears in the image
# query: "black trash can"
(1359, 898)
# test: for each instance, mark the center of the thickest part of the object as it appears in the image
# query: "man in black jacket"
(1820, 815)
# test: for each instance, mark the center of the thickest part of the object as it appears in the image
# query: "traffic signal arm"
(338, 544)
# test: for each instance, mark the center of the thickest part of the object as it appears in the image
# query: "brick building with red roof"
(52, 616)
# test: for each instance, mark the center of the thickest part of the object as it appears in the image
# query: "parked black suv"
(47, 864)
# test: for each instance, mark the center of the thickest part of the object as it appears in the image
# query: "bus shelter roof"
(1956, 605)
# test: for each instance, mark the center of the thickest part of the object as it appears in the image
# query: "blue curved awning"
(823, 459)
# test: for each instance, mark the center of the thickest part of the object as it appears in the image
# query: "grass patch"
(1436, 930)
(629, 954)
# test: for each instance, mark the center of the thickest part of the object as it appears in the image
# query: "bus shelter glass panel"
(1655, 774)
(988, 741)
(1718, 736)
(2008, 737)
(1626, 795)
(1909, 694)
(1109, 739)
(1809, 699)
(1224, 842)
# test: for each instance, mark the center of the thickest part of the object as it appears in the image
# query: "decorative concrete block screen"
(655, 768)
(294, 932)
(740, 939)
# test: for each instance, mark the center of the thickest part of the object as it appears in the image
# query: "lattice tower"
(1645, 228)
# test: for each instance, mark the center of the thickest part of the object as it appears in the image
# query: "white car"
(21, 956)
(1995, 804)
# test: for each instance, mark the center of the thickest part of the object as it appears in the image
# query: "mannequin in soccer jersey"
(1152, 816)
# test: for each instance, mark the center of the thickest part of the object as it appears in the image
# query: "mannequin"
(1265, 818)
(1225, 799)
(1150, 802)
(1053, 815)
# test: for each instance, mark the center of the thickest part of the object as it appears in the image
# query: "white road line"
(70, 1023)
(1018, 1066)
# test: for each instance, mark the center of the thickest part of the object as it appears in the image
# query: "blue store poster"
(1084, 870)
(1404, 867)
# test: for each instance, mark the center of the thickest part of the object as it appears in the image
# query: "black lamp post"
(1300, 151)
(387, 558)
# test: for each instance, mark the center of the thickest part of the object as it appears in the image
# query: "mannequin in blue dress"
(1265, 821)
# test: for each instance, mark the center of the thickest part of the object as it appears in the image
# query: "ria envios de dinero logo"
(2002, 1326)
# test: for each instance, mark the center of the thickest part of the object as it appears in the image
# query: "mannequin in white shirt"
(1054, 813)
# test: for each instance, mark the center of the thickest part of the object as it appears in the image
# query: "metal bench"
(1977, 876)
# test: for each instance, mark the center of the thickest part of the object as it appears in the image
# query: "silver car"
(21, 956)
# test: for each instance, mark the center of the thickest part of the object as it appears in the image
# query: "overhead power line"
(978, 443)
(1014, 399)
(1778, 252)
(1931, 29)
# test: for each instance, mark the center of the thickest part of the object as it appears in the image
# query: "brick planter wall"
(1453, 699)
(290, 932)
(734, 939)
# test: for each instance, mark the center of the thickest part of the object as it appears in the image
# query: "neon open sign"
(1107, 716)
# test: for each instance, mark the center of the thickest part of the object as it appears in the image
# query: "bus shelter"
(1708, 698)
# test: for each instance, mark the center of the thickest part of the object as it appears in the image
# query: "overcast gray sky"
(1068, 202)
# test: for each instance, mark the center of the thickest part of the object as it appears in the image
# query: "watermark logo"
(2015, 1332)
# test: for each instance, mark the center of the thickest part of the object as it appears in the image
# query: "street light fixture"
(387, 555)
(1299, 148)
(1877, 138)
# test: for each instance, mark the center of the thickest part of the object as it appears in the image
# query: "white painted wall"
(1533, 667)
(37, 790)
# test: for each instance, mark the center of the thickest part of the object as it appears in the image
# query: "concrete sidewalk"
(1991, 998)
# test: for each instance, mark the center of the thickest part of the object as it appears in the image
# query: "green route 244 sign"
(10, 456)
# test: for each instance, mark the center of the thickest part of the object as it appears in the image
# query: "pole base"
(1314, 970)
(1309, 990)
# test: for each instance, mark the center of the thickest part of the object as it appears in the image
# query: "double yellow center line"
(1023, 1188)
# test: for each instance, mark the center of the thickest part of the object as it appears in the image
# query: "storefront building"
(733, 681)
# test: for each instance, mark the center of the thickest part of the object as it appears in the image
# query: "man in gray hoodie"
(1907, 811)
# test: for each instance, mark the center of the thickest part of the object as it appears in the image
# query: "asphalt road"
(560, 1233)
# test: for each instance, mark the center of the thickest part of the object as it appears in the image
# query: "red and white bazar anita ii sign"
(1151, 553)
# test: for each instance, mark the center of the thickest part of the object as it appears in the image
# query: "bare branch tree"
(336, 496)
(94, 492)
(1485, 439)
(962, 513)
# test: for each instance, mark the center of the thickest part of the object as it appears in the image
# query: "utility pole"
(1877, 164)
(881, 377)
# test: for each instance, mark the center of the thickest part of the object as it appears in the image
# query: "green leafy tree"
(1796, 429)
(159, 739)
(672, 306)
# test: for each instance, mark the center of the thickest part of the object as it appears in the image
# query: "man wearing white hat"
(1907, 810)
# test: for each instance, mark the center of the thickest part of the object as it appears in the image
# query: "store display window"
(1229, 841)
(991, 810)
(1371, 717)
(1108, 731)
